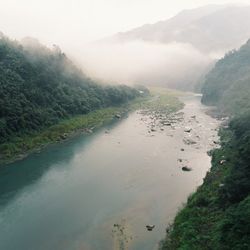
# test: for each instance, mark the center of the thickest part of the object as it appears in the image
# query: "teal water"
(70, 195)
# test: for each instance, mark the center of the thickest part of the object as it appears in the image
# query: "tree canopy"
(40, 86)
(227, 85)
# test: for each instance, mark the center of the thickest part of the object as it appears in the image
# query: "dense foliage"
(227, 85)
(217, 216)
(40, 87)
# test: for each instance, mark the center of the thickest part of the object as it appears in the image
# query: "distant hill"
(228, 84)
(190, 42)
(39, 87)
(213, 28)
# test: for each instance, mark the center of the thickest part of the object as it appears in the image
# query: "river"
(99, 191)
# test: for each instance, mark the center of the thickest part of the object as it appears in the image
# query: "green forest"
(227, 85)
(38, 87)
(217, 215)
(41, 87)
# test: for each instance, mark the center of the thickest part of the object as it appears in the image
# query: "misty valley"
(135, 141)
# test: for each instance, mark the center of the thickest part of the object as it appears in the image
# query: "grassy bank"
(21, 146)
(217, 216)
(161, 100)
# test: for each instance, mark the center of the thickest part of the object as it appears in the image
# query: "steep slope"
(228, 84)
(39, 87)
(217, 216)
(164, 31)
(210, 29)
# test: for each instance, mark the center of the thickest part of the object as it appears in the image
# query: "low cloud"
(173, 65)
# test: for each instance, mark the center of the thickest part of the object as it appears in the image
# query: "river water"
(72, 194)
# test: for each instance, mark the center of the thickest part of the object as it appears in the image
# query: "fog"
(73, 22)
(173, 53)
(149, 63)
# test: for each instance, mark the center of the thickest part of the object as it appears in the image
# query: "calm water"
(70, 195)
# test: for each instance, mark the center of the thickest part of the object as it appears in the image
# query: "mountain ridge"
(184, 27)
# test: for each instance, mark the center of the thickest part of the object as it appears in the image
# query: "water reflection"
(71, 195)
(16, 176)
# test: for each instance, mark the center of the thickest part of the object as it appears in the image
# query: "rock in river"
(189, 141)
(150, 227)
(187, 130)
(187, 169)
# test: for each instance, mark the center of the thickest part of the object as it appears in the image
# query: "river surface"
(72, 194)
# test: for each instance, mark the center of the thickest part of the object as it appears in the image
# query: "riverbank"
(122, 174)
(216, 216)
(20, 147)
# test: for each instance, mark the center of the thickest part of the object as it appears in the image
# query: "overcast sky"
(79, 21)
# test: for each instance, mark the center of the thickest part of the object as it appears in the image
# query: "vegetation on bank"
(19, 146)
(217, 215)
(43, 96)
(161, 100)
(40, 87)
(227, 85)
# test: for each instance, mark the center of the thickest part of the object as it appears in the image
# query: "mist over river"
(72, 194)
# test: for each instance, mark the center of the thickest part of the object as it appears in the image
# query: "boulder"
(117, 116)
(63, 136)
(166, 124)
(187, 130)
(150, 227)
(222, 162)
(189, 141)
(187, 169)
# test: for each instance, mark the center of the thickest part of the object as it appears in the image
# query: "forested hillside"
(228, 84)
(217, 216)
(39, 87)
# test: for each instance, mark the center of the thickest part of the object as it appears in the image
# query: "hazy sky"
(78, 21)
